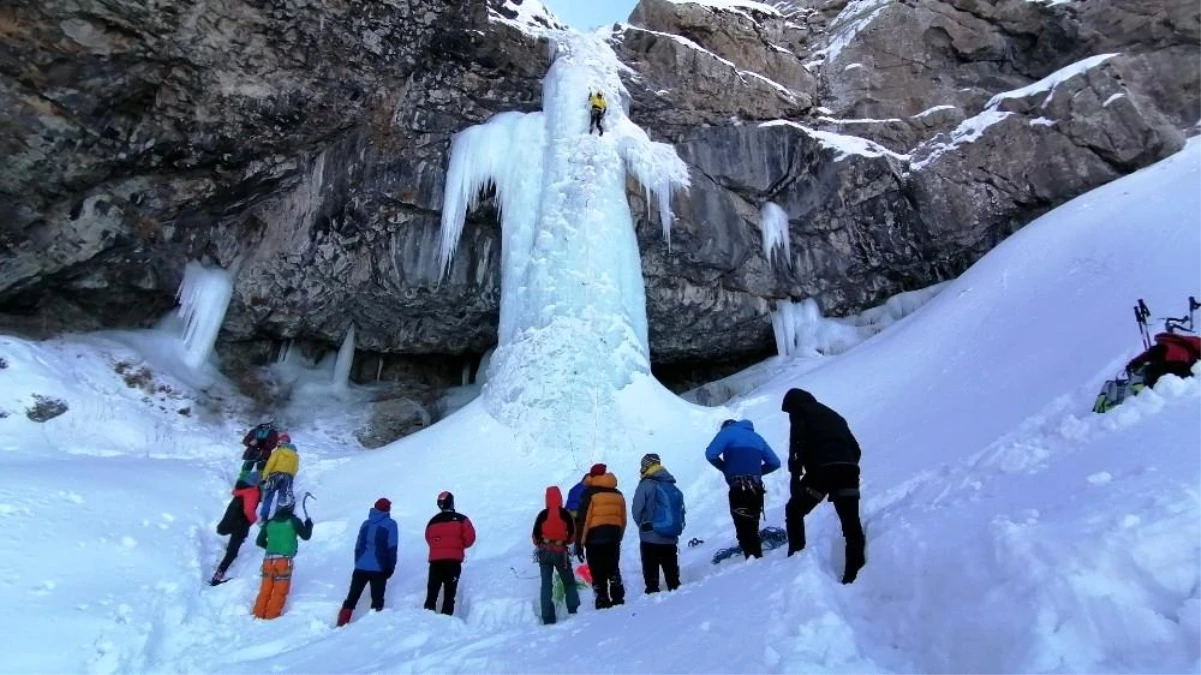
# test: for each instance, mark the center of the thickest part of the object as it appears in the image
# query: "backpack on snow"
(1170, 353)
(667, 519)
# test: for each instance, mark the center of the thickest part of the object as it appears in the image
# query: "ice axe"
(304, 504)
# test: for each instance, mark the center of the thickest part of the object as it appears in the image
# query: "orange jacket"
(602, 512)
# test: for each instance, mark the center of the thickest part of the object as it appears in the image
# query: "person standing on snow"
(279, 473)
(602, 524)
(449, 535)
(823, 460)
(554, 529)
(239, 516)
(745, 458)
(596, 100)
(259, 443)
(658, 499)
(278, 536)
(574, 495)
(374, 559)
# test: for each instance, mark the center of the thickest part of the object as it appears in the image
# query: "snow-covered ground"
(1009, 528)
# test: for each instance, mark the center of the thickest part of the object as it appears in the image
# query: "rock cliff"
(304, 144)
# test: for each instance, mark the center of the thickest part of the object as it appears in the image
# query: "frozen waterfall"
(573, 327)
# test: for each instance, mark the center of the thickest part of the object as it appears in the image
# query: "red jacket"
(449, 535)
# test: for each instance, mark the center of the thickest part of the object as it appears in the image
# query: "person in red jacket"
(449, 535)
(239, 516)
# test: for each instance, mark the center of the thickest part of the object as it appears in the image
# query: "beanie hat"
(598, 470)
(286, 502)
(382, 504)
(284, 438)
(727, 423)
(446, 501)
(648, 460)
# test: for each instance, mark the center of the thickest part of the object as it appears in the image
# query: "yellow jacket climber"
(597, 101)
(283, 460)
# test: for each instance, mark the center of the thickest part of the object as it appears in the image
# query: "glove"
(388, 575)
(308, 522)
(579, 552)
(645, 527)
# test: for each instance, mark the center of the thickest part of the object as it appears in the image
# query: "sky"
(589, 14)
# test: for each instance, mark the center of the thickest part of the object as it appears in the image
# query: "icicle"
(773, 223)
(341, 378)
(203, 298)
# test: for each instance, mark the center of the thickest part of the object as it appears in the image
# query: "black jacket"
(817, 435)
(234, 521)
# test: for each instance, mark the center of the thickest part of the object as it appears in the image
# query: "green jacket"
(279, 534)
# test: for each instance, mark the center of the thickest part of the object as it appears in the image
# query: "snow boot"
(855, 561)
(218, 578)
(344, 616)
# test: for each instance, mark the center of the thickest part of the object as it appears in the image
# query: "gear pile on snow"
(1169, 353)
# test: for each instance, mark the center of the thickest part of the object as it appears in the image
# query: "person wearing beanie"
(601, 527)
(658, 508)
(279, 537)
(449, 535)
(744, 458)
(374, 559)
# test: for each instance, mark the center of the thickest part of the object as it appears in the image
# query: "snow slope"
(1009, 528)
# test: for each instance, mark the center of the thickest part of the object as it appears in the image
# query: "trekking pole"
(304, 504)
(1141, 314)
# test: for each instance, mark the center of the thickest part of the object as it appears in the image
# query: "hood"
(743, 424)
(554, 499)
(796, 400)
(606, 481)
(377, 516)
(286, 446)
(661, 474)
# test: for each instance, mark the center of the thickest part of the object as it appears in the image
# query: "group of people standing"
(823, 461)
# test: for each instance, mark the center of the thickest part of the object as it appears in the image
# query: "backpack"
(667, 519)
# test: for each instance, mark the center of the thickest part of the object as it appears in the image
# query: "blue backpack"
(667, 520)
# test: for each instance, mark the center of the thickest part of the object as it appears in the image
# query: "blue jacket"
(574, 496)
(738, 451)
(375, 550)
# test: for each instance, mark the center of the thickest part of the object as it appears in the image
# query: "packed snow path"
(573, 326)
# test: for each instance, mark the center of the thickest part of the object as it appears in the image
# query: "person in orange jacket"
(602, 525)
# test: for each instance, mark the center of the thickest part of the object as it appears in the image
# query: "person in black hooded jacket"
(823, 459)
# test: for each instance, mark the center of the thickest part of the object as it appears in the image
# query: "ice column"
(341, 379)
(573, 308)
(203, 298)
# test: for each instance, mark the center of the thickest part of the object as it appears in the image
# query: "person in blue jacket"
(745, 458)
(576, 493)
(374, 559)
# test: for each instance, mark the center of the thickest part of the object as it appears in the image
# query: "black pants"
(840, 484)
(656, 557)
(358, 581)
(231, 550)
(604, 561)
(597, 116)
(746, 507)
(444, 576)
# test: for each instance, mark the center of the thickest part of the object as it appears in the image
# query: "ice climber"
(599, 531)
(239, 516)
(658, 508)
(823, 460)
(279, 537)
(449, 535)
(745, 458)
(596, 100)
(574, 495)
(554, 529)
(374, 559)
(259, 442)
(279, 473)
